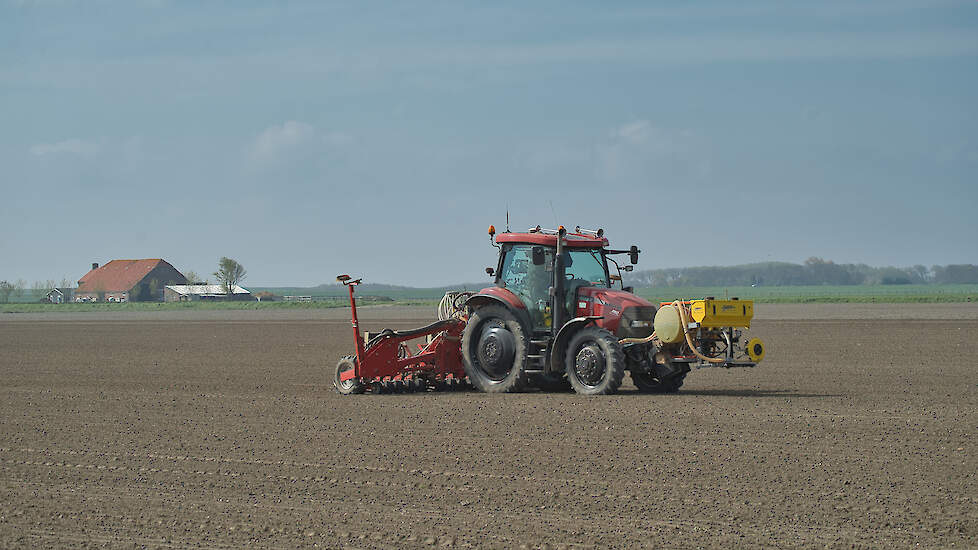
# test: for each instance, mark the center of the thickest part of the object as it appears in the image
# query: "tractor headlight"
(636, 322)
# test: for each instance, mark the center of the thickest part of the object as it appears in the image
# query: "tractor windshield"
(587, 265)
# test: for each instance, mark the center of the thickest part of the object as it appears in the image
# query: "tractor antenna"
(507, 218)
(554, 212)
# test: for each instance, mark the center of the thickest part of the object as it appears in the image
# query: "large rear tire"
(595, 362)
(351, 386)
(494, 348)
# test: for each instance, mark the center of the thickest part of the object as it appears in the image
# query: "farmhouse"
(128, 281)
(190, 293)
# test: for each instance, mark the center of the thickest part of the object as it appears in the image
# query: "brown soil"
(226, 433)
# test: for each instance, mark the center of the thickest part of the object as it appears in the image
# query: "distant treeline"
(815, 271)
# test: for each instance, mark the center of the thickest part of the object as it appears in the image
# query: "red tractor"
(553, 320)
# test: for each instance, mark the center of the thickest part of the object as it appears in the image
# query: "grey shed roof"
(205, 290)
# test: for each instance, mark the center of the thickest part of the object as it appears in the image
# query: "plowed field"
(205, 432)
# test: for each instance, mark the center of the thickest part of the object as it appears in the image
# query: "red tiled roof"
(117, 275)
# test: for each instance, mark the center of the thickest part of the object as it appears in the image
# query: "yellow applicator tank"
(711, 313)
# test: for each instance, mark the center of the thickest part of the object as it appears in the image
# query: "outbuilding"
(59, 295)
(192, 293)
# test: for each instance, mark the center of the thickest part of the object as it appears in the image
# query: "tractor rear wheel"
(595, 362)
(351, 386)
(494, 348)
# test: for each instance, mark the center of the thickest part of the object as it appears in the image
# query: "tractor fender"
(501, 297)
(564, 335)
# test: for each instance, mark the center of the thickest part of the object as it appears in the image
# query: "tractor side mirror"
(629, 267)
(633, 254)
(490, 271)
(538, 257)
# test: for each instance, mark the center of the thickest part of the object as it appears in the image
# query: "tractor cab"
(526, 269)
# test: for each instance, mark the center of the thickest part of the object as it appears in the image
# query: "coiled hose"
(452, 304)
(689, 339)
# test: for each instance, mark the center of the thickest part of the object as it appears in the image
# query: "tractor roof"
(572, 240)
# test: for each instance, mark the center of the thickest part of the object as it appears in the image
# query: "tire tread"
(614, 358)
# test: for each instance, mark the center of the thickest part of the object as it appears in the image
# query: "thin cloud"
(375, 62)
(77, 147)
(722, 47)
(337, 138)
(639, 150)
(279, 139)
(293, 144)
(633, 132)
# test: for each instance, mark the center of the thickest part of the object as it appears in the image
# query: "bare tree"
(19, 286)
(192, 277)
(229, 274)
(6, 289)
(37, 289)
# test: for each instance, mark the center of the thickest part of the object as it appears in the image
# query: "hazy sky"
(307, 139)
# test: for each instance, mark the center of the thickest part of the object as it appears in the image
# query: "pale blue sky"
(307, 139)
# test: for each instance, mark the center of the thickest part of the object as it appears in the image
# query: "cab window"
(529, 281)
(589, 266)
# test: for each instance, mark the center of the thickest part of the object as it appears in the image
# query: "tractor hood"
(616, 299)
(613, 306)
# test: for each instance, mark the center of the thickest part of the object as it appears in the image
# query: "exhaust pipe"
(558, 288)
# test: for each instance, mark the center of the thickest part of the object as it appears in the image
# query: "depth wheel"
(595, 362)
(351, 386)
(647, 383)
(556, 382)
(494, 350)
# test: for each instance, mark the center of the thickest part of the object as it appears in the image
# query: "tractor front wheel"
(595, 362)
(351, 386)
(494, 348)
